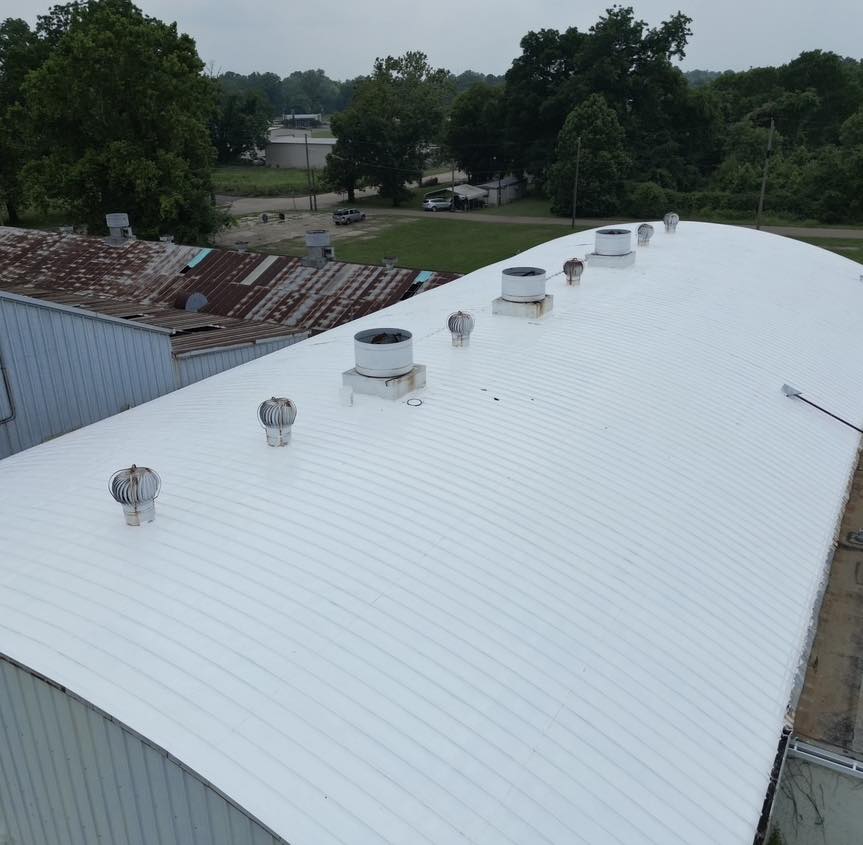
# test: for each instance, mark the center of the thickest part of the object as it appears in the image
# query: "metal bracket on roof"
(794, 393)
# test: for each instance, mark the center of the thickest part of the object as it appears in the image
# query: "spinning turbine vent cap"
(136, 489)
(645, 233)
(277, 415)
(461, 325)
(572, 270)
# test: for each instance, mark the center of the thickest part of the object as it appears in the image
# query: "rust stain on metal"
(154, 274)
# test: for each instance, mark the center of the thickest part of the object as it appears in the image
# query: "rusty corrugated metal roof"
(190, 332)
(245, 286)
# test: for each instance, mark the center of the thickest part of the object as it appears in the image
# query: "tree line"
(647, 135)
(103, 108)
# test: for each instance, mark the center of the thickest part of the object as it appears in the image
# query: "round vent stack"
(613, 242)
(523, 284)
(461, 325)
(573, 269)
(671, 220)
(645, 233)
(384, 353)
(136, 489)
(277, 415)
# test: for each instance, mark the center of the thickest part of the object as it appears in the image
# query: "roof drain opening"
(384, 364)
(645, 233)
(573, 269)
(671, 220)
(523, 293)
(136, 489)
(461, 325)
(277, 415)
(612, 248)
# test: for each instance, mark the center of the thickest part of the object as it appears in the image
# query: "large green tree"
(603, 165)
(474, 134)
(310, 91)
(395, 116)
(267, 86)
(122, 108)
(239, 124)
(621, 58)
(21, 51)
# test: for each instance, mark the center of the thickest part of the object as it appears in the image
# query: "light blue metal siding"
(71, 775)
(192, 368)
(66, 369)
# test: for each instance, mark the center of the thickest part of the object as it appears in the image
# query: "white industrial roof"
(562, 600)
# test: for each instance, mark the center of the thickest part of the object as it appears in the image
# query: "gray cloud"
(344, 37)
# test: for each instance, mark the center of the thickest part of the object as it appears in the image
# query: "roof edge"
(79, 312)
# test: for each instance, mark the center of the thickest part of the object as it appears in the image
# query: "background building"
(227, 284)
(290, 151)
(504, 190)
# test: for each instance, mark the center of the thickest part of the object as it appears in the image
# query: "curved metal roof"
(562, 600)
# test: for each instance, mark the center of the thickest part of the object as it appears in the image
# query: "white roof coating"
(563, 600)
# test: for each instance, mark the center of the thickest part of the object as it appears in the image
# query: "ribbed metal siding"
(192, 368)
(70, 775)
(66, 370)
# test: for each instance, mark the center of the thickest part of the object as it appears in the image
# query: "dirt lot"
(287, 236)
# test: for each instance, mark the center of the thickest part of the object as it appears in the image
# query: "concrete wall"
(818, 806)
(71, 775)
(292, 154)
(65, 368)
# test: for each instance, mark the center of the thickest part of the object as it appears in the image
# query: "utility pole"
(452, 188)
(308, 173)
(764, 176)
(575, 181)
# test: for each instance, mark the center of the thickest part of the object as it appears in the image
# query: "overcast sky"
(344, 36)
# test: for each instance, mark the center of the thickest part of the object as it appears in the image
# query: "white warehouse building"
(291, 150)
(563, 593)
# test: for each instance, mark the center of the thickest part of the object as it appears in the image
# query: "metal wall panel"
(71, 775)
(66, 369)
(192, 368)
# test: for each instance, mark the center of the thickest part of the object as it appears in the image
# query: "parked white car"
(437, 204)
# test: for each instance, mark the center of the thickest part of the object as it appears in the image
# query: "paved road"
(256, 205)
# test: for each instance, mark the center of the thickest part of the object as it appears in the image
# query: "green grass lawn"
(458, 246)
(849, 247)
(244, 180)
(322, 133)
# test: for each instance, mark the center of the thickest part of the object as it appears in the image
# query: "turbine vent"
(461, 325)
(277, 415)
(136, 489)
(573, 269)
(645, 233)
